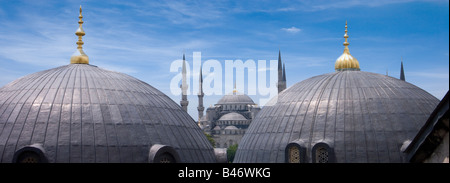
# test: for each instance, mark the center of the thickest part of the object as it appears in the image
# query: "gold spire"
(79, 57)
(234, 90)
(346, 61)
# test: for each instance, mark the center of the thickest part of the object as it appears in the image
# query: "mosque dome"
(232, 116)
(346, 116)
(82, 113)
(231, 128)
(236, 98)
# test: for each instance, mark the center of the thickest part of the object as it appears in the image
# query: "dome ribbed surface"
(237, 98)
(232, 116)
(362, 116)
(81, 113)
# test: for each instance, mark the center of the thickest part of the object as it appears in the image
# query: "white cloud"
(292, 30)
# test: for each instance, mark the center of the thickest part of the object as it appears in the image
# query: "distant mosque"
(228, 120)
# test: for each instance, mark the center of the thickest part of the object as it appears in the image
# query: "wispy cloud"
(291, 30)
(343, 4)
(197, 13)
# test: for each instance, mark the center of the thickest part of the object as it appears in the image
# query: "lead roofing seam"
(53, 103)
(363, 121)
(383, 129)
(92, 115)
(341, 81)
(109, 90)
(71, 111)
(94, 80)
(125, 115)
(41, 77)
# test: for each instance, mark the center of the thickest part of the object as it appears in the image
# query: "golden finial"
(79, 57)
(346, 61)
(346, 37)
(234, 90)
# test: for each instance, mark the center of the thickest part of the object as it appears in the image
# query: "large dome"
(236, 98)
(82, 113)
(232, 116)
(346, 116)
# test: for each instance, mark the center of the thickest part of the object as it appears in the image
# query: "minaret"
(184, 102)
(235, 89)
(402, 72)
(79, 57)
(346, 62)
(284, 76)
(200, 107)
(281, 83)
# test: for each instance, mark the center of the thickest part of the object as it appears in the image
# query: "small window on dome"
(30, 154)
(166, 158)
(163, 154)
(28, 157)
(322, 153)
(295, 152)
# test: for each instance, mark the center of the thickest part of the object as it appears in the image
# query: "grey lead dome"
(354, 116)
(81, 113)
(236, 98)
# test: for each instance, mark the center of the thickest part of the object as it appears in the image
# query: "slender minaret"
(184, 86)
(79, 57)
(281, 83)
(284, 76)
(402, 72)
(200, 107)
(235, 89)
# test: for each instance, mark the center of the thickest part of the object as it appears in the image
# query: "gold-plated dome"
(346, 61)
(79, 57)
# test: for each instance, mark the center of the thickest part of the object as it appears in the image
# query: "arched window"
(322, 153)
(28, 157)
(294, 155)
(30, 154)
(295, 152)
(163, 154)
(166, 158)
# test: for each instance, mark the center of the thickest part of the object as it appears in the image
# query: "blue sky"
(142, 38)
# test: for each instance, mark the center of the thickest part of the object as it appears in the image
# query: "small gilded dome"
(346, 61)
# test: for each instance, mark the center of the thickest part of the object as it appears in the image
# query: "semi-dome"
(358, 116)
(82, 113)
(236, 98)
(232, 116)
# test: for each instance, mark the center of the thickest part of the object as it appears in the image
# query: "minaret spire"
(402, 72)
(346, 43)
(184, 86)
(200, 107)
(281, 75)
(235, 89)
(79, 57)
